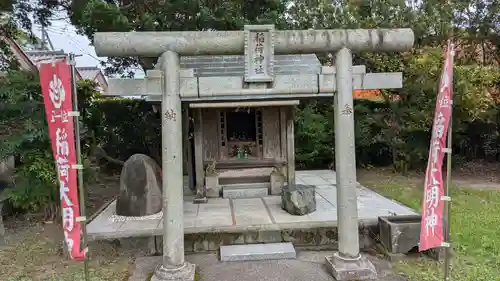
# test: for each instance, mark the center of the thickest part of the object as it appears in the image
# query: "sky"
(63, 36)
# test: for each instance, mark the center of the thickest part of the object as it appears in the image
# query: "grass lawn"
(34, 254)
(34, 249)
(475, 217)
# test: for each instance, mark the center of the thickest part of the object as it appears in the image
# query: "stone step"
(244, 179)
(237, 176)
(254, 252)
(248, 185)
(245, 190)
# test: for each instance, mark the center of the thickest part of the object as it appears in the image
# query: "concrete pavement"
(309, 265)
(259, 214)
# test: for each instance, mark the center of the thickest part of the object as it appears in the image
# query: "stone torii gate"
(259, 43)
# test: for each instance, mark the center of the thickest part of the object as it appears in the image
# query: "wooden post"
(290, 146)
(188, 155)
(283, 140)
(184, 136)
(198, 158)
(447, 204)
(81, 188)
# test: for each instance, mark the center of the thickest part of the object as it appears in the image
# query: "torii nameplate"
(259, 53)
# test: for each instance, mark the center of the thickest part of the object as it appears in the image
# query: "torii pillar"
(347, 263)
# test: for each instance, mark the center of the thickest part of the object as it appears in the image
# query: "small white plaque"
(259, 53)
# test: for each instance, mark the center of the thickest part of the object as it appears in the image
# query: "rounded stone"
(140, 187)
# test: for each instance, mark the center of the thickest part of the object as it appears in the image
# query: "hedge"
(124, 127)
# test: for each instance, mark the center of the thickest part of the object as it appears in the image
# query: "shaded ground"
(105, 189)
(34, 248)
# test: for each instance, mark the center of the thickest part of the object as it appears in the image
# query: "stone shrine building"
(245, 140)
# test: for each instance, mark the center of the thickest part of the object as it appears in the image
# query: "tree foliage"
(123, 127)
(24, 134)
(477, 23)
(175, 15)
(22, 116)
(402, 124)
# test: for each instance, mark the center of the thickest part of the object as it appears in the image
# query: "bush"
(24, 133)
(36, 185)
(123, 127)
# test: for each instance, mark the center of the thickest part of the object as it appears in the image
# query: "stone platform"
(255, 220)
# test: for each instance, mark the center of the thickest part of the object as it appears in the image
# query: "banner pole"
(81, 189)
(448, 180)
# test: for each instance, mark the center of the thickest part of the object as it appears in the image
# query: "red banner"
(55, 80)
(431, 230)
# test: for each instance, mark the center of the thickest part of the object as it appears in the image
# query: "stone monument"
(140, 187)
(6, 181)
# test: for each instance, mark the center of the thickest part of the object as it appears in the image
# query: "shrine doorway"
(243, 133)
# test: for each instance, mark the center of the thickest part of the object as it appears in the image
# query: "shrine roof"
(89, 72)
(44, 56)
(208, 66)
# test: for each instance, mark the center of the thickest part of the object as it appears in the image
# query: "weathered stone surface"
(140, 187)
(5, 207)
(348, 270)
(200, 199)
(277, 181)
(145, 245)
(255, 252)
(6, 181)
(238, 193)
(4, 197)
(184, 273)
(2, 229)
(212, 186)
(7, 167)
(298, 199)
(399, 234)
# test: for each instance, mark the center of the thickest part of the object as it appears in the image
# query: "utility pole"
(45, 39)
(42, 44)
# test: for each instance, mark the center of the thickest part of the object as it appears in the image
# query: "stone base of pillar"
(200, 199)
(351, 269)
(183, 273)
